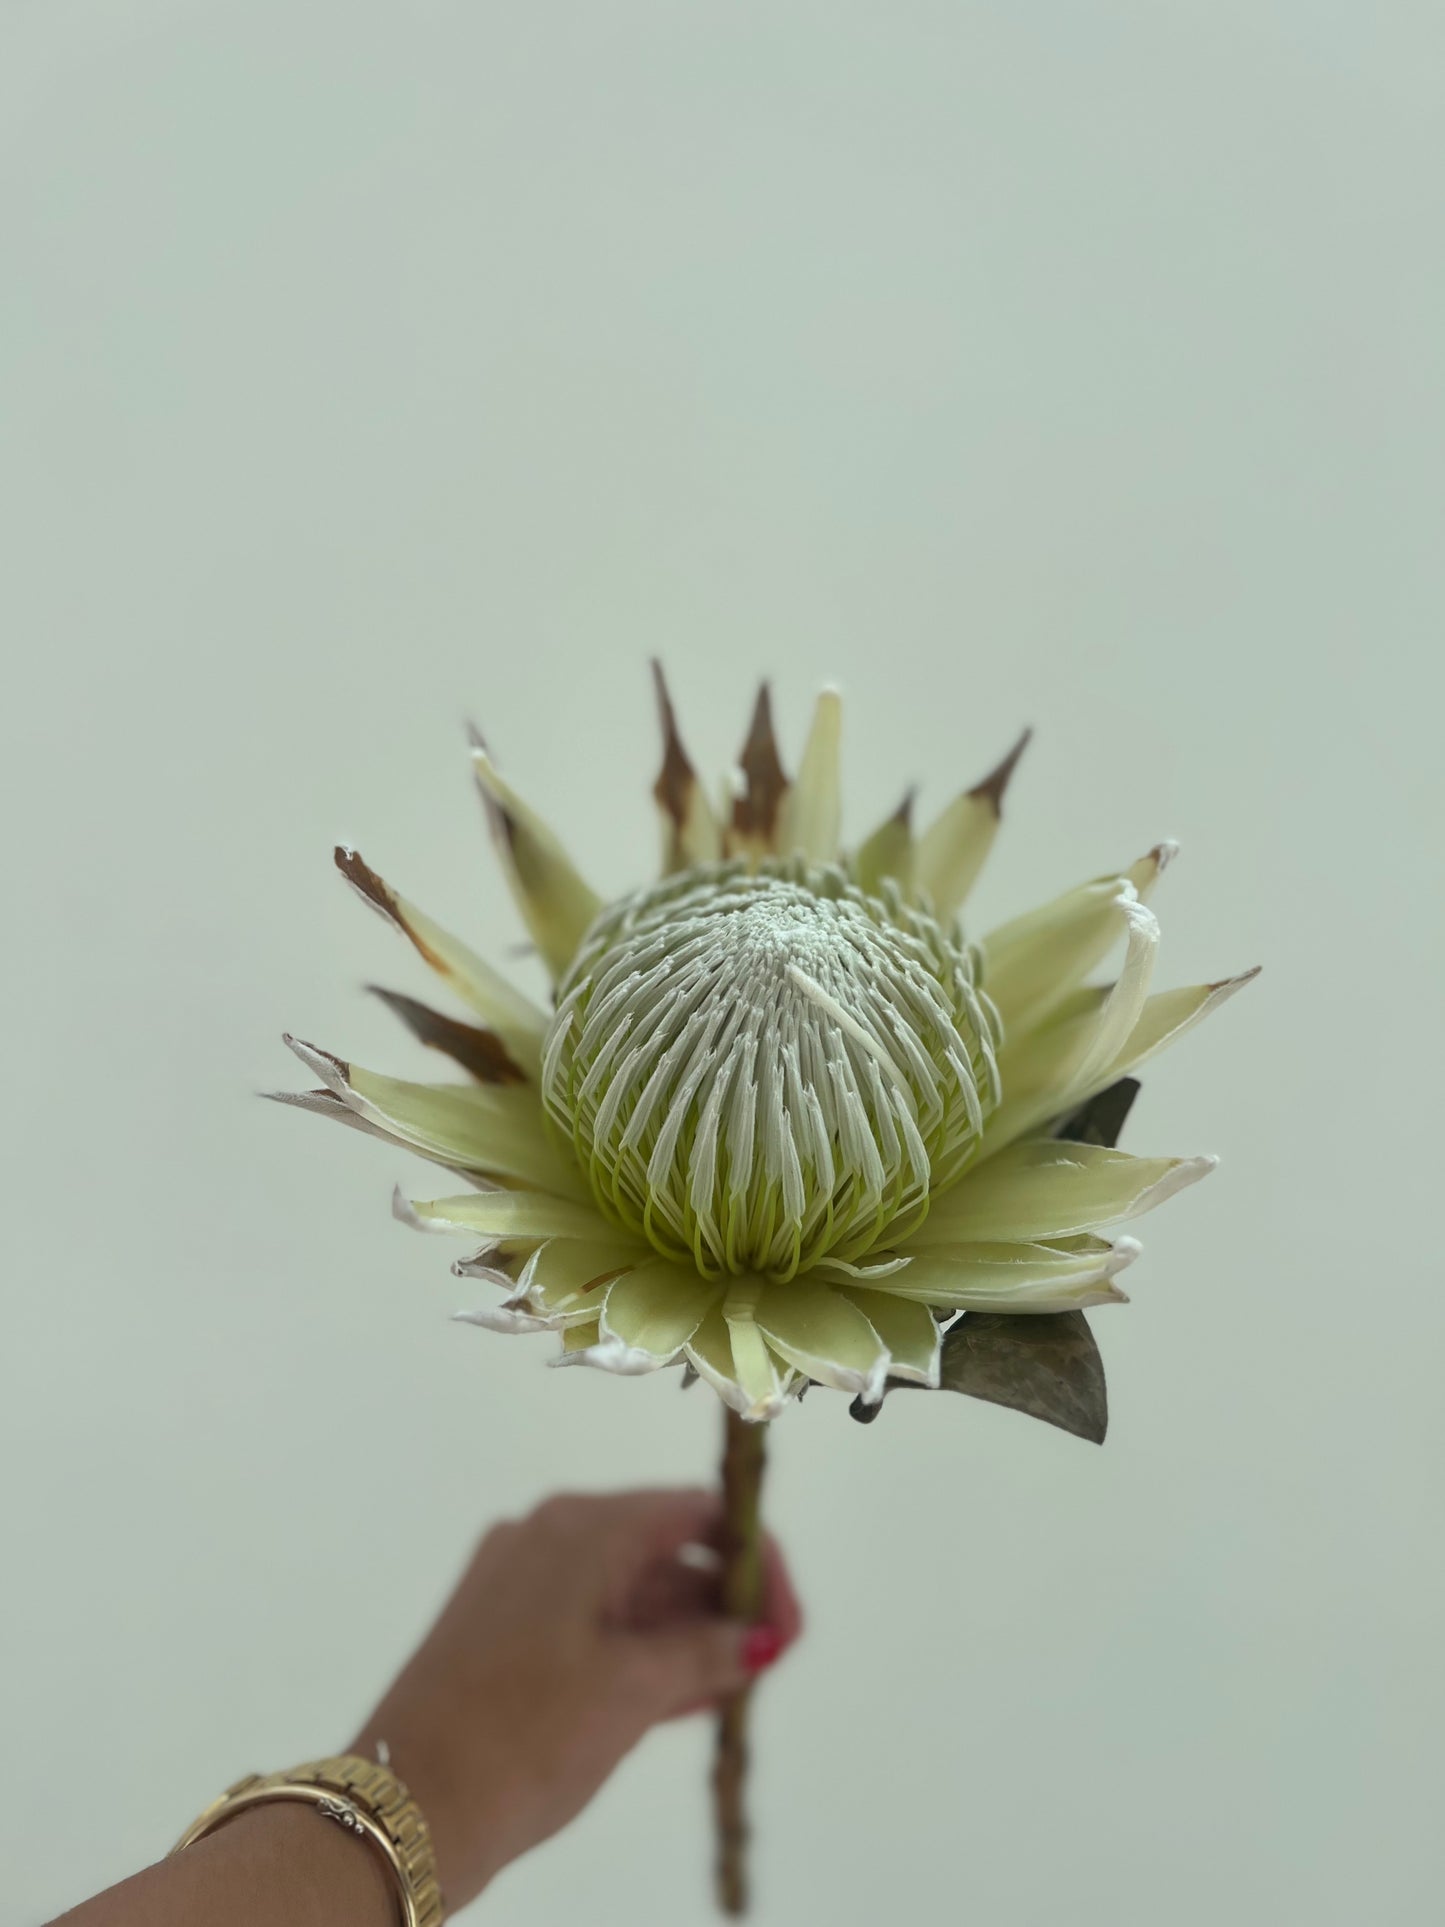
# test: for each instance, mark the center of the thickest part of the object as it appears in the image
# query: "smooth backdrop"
(371, 367)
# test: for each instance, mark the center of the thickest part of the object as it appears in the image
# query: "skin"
(571, 1633)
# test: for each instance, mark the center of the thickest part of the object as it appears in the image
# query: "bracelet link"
(360, 1795)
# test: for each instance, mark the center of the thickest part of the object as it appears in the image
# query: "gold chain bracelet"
(366, 1799)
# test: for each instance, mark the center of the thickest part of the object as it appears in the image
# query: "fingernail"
(761, 1646)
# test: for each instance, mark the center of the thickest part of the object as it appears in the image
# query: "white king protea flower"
(785, 1118)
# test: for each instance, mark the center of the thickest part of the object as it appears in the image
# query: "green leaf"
(1047, 1367)
(1101, 1119)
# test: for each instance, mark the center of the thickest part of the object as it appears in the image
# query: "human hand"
(571, 1633)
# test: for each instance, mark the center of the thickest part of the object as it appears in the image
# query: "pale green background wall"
(371, 366)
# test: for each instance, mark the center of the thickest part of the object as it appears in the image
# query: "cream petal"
(609, 1355)
(813, 810)
(502, 1318)
(328, 1104)
(1045, 1188)
(657, 1307)
(513, 1214)
(1038, 1070)
(820, 1332)
(1168, 1016)
(1063, 1275)
(1032, 964)
(495, 1130)
(1045, 1076)
(566, 1278)
(1124, 1004)
(909, 1330)
(554, 1286)
(578, 1338)
(754, 1365)
(402, 1210)
(955, 846)
(691, 832)
(888, 852)
(710, 1353)
(491, 1274)
(556, 905)
(516, 1020)
(839, 1271)
(500, 1259)
(584, 1345)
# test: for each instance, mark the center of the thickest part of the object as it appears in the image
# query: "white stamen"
(760, 1068)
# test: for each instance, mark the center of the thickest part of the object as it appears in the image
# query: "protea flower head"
(786, 1118)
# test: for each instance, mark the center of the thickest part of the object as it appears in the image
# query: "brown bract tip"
(992, 787)
(675, 780)
(313, 1056)
(362, 877)
(1235, 983)
(755, 810)
(475, 1048)
(500, 820)
(903, 815)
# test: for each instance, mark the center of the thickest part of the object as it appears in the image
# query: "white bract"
(784, 1120)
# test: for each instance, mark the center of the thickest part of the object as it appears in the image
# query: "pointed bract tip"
(991, 789)
(1164, 854)
(474, 1047)
(500, 819)
(1236, 983)
(756, 805)
(904, 813)
(364, 880)
(402, 1211)
(324, 1063)
(475, 737)
(675, 780)
(664, 695)
(486, 1263)
(500, 1318)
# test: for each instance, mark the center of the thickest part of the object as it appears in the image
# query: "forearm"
(280, 1862)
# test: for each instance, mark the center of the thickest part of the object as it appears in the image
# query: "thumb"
(679, 1667)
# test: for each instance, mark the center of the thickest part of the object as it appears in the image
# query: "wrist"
(360, 1796)
(316, 1873)
(465, 1807)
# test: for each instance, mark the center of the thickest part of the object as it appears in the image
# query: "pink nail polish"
(761, 1646)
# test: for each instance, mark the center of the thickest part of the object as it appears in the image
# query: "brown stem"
(744, 1456)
